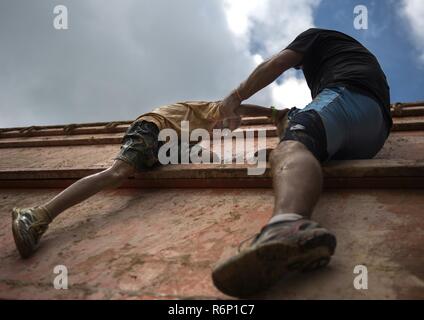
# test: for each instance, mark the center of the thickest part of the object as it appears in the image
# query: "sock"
(285, 217)
(43, 214)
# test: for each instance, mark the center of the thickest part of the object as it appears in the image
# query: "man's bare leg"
(297, 179)
(29, 224)
(290, 241)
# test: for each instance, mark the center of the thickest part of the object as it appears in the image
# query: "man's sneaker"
(300, 245)
(28, 225)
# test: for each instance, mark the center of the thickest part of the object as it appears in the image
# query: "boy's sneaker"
(28, 225)
(300, 245)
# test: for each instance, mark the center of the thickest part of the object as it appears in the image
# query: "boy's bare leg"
(89, 186)
(29, 224)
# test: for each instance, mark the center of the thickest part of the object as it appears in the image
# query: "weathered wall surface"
(156, 243)
(163, 244)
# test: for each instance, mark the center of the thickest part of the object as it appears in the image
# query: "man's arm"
(267, 72)
(261, 77)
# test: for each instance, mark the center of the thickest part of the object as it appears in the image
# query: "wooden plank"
(408, 112)
(95, 132)
(408, 126)
(102, 139)
(365, 173)
(374, 168)
(91, 128)
(408, 104)
(74, 141)
(64, 126)
(329, 183)
(62, 132)
(397, 110)
(95, 139)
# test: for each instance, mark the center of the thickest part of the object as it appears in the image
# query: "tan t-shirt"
(200, 114)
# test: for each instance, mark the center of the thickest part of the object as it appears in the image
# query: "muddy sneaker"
(280, 247)
(28, 225)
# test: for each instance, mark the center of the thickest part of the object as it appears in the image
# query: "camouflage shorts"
(140, 145)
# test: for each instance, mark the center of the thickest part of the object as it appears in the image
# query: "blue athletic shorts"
(339, 124)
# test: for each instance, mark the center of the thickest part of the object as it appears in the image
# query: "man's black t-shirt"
(332, 58)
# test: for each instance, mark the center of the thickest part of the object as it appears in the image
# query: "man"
(348, 118)
(139, 151)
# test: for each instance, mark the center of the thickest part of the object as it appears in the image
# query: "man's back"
(332, 59)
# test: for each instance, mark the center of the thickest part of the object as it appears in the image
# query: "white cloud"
(120, 59)
(239, 13)
(413, 11)
(293, 92)
(258, 59)
(271, 22)
(270, 25)
(116, 60)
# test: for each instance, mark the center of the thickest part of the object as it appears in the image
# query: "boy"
(139, 151)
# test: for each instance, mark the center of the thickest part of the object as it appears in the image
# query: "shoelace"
(38, 226)
(257, 235)
(246, 240)
(254, 237)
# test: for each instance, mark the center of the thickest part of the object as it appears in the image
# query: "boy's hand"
(232, 123)
(228, 106)
(228, 123)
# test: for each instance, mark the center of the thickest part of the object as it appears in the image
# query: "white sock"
(285, 217)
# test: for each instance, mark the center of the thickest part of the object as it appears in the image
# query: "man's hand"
(281, 121)
(280, 115)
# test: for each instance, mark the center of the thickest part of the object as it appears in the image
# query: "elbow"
(287, 59)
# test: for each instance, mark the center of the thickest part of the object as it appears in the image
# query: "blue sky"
(388, 37)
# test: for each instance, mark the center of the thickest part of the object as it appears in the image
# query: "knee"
(287, 151)
(290, 154)
(307, 128)
(119, 171)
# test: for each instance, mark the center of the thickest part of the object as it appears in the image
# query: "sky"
(121, 58)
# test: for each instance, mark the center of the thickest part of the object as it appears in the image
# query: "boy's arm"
(252, 110)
